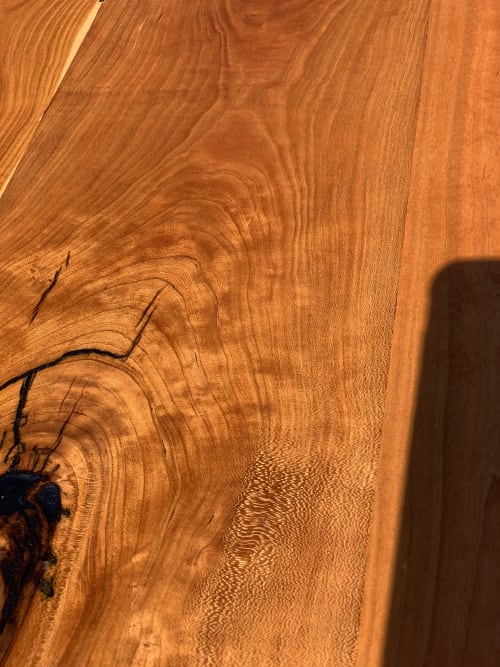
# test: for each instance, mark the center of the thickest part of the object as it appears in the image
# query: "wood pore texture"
(267, 190)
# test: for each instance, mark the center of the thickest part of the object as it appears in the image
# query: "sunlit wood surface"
(266, 190)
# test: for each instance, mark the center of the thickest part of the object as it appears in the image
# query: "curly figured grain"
(251, 160)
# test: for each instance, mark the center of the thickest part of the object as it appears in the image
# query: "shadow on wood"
(446, 597)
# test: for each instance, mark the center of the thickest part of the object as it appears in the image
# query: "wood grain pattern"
(453, 214)
(247, 166)
(38, 40)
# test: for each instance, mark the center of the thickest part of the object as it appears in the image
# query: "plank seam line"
(403, 237)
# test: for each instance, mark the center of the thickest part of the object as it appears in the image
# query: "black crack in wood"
(17, 444)
(59, 438)
(88, 351)
(30, 501)
(68, 257)
(45, 293)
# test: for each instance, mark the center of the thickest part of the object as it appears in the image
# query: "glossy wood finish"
(261, 171)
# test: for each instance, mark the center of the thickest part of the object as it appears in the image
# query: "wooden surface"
(452, 215)
(38, 41)
(253, 199)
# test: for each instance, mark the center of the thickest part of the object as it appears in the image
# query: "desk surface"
(238, 209)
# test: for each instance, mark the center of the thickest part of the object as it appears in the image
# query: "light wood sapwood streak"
(38, 41)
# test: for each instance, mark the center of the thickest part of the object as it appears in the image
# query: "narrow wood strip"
(453, 214)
